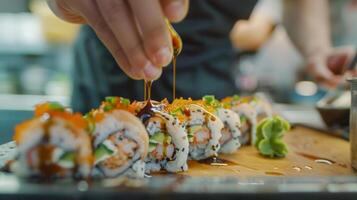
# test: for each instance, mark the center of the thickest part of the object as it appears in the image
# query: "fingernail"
(163, 56)
(151, 72)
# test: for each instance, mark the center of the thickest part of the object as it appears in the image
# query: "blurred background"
(36, 59)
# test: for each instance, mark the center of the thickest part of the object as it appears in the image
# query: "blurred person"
(133, 35)
(310, 33)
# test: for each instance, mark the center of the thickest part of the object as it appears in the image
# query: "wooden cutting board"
(311, 153)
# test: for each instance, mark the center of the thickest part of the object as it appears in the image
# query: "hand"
(134, 31)
(330, 68)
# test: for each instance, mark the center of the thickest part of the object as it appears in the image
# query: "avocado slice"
(67, 160)
(102, 151)
(157, 138)
(243, 119)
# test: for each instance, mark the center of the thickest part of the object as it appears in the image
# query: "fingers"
(135, 31)
(96, 21)
(175, 10)
(62, 10)
(120, 20)
(154, 31)
(337, 63)
(322, 74)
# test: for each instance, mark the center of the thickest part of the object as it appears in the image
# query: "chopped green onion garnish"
(125, 101)
(56, 106)
(236, 97)
(108, 108)
(110, 99)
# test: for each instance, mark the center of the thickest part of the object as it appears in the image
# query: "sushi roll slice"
(262, 106)
(120, 141)
(203, 128)
(248, 118)
(54, 144)
(231, 131)
(168, 142)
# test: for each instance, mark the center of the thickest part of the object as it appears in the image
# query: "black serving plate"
(176, 187)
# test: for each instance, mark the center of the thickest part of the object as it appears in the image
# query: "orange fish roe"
(54, 109)
(228, 102)
(178, 107)
(20, 129)
(48, 107)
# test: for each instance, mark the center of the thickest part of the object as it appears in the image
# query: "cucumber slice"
(177, 112)
(157, 138)
(243, 119)
(69, 156)
(190, 137)
(67, 160)
(101, 152)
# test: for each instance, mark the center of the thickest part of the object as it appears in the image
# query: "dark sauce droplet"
(215, 161)
(316, 158)
(274, 173)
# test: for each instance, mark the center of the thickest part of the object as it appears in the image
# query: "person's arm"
(134, 31)
(251, 34)
(308, 25)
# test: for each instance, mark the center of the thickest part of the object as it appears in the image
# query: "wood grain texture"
(304, 144)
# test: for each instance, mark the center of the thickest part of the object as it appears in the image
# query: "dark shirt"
(203, 67)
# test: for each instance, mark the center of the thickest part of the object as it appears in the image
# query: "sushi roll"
(54, 144)
(248, 118)
(231, 131)
(262, 106)
(168, 142)
(203, 128)
(120, 141)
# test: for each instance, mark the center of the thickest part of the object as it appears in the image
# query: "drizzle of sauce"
(296, 168)
(147, 90)
(148, 111)
(308, 167)
(46, 166)
(174, 77)
(342, 165)
(215, 161)
(44, 152)
(323, 161)
(274, 173)
(177, 46)
(317, 159)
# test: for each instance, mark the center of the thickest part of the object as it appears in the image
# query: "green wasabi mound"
(269, 141)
